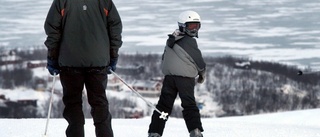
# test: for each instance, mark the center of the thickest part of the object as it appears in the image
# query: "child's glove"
(201, 77)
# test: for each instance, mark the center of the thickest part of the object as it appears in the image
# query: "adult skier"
(182, 62)
(83, 39)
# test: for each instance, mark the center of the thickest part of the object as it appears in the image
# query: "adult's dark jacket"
(83, 33)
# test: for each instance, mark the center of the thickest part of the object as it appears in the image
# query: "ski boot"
(196, 133)
(154, 135)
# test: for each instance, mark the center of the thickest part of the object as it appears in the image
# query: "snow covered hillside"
(227, 91)
(287, 124)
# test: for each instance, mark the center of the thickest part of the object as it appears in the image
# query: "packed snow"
(302, 123)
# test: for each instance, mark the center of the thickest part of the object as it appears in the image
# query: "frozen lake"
(284, 30)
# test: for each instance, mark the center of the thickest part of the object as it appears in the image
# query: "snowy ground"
(304, 123)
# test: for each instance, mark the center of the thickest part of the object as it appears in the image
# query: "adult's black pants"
(73, 81)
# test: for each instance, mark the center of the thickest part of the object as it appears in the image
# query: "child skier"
(182, 62)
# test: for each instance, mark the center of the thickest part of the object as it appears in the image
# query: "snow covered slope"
(305, 123)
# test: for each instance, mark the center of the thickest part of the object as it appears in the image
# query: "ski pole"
(305, 73)
(163, 115)
(50, 105)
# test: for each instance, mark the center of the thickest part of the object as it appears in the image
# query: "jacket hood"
(173, 39)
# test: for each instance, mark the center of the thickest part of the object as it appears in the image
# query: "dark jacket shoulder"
(189, 44)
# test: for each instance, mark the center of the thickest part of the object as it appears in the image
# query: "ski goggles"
(193, 25)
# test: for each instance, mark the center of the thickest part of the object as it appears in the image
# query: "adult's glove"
(112, 65)
(53, 66)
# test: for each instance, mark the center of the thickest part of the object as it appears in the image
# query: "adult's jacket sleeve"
(53, 29)
(115, 30)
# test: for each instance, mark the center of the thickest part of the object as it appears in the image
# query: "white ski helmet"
(189, 22)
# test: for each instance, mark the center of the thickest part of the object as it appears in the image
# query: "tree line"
(263, 88)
